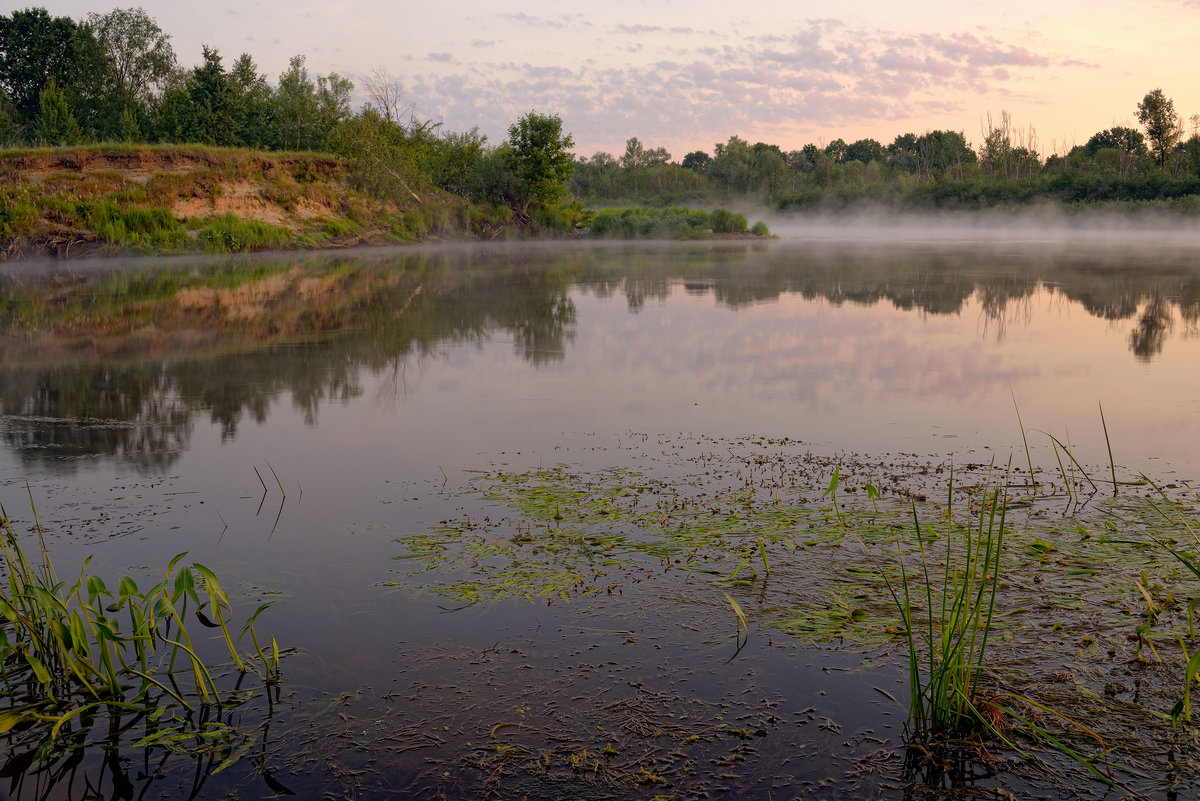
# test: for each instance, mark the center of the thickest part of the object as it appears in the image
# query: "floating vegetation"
(1066, 612)
(80, 656)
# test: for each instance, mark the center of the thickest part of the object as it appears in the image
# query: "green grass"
(232, 234)
(947, 650)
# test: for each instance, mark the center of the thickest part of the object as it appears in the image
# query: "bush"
(642, 223)
(727, 222)
(760, 229)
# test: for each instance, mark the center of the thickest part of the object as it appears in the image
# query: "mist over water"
(1048, 225)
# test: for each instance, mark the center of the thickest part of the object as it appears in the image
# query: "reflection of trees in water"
(143, 412)
(1005, 297)
(126, 412)
(376, 313)
(1148, 335)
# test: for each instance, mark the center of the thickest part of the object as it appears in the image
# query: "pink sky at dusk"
(685, 74)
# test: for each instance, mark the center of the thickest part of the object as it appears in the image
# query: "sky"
(686, 74)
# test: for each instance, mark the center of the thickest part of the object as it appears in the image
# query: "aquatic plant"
(947, 650)
(66, 657)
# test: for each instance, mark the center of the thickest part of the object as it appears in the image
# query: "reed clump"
(70, 649)
(947, 618)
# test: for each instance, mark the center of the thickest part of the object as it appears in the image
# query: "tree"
(295, 108)
(1129, 140)
(384, 94)
(252, 102)
(697, 161)
(836, 150)
(55, 124)
(635, 154)
(541, 160)
(35, 49)
(213, 102)
(138, 56)
(1157, 113)
(864, 150)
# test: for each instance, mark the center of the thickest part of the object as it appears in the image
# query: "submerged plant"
(65, 655)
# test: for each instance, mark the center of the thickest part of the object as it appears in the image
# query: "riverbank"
(110, 199)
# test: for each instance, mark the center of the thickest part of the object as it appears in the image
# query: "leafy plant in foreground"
(65, 656)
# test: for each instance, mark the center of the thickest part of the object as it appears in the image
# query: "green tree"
(128, 129)
(836, 150)
(55, 124)
(213, 102)
(294, 108)
(35, 49)
(697, 161)
(1128, 139)
(541, 161)
(252, 102)
(864, 150)
(1157, 114)
(137, 61)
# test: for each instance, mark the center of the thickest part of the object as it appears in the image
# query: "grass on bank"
(676, 222)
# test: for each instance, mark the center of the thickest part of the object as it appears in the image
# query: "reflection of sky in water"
(869, 379)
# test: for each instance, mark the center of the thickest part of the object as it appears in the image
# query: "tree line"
(936, 167)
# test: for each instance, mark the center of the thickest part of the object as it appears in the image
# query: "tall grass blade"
(1112, 465)
(1024, 439)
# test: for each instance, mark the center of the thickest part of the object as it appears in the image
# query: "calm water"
(376, 385)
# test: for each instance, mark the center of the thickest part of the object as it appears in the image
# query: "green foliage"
(139, 228)
(642, 223)
(727, 222)
(36, 49)
(1157, 114)
(213, 103)
(760, 229)
(384, 160)
(231, 234)
(540, 160)
(947, 649)
(66, 651)
(55, 123)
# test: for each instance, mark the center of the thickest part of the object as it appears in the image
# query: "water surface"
(138, 399)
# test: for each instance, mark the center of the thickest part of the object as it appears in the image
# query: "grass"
(74, 650)
(232, 234)
(947, 652)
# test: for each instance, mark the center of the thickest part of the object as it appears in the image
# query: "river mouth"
(510, 500)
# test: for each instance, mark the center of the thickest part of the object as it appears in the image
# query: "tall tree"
(385, 94)
(252, 102)
(295, 107)
(55, 124)
(138, 56)
(1157, 113)
(213, 102)
(541, 160)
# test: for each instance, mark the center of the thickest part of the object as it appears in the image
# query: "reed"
(947, 648)
(65, 648)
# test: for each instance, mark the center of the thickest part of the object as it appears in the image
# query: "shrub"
(727, 222)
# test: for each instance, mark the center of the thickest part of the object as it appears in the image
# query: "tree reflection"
(119, 363)
(1148, 335)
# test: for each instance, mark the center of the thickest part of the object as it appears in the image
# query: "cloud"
(822, 77)
(447, 58)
